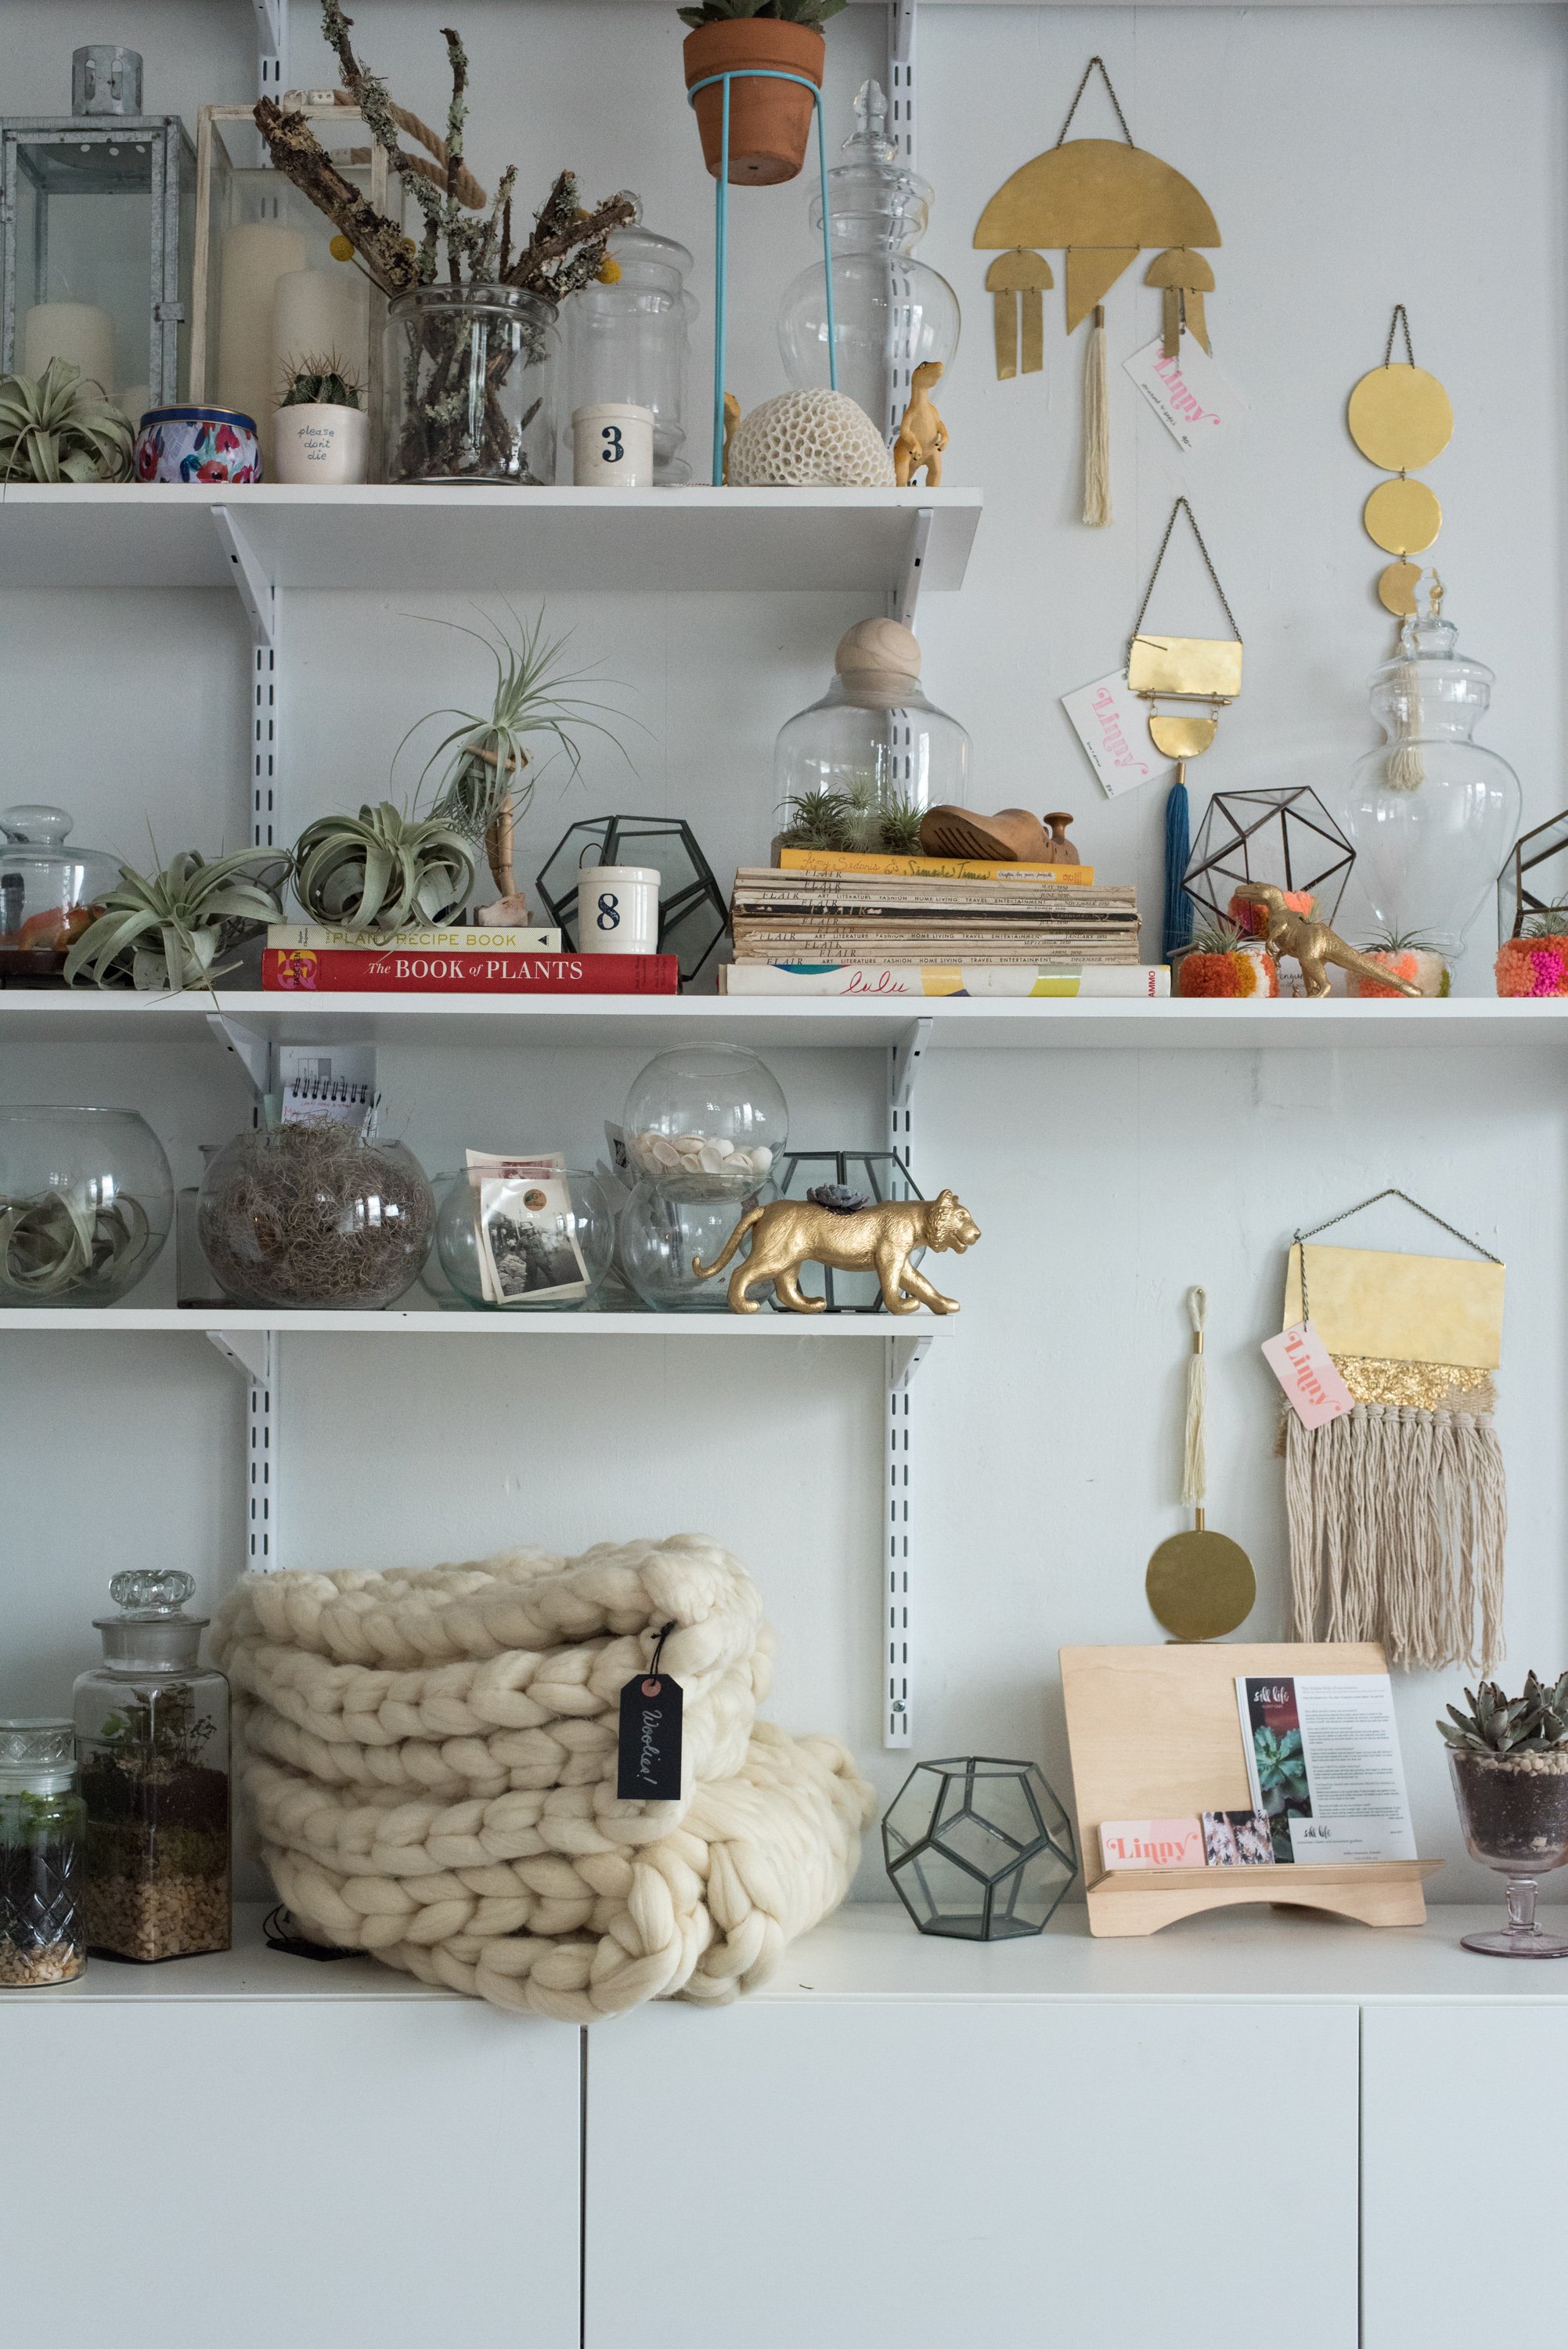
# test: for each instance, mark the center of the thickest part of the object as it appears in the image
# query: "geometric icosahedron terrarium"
(978, 1850)
(1286, 837)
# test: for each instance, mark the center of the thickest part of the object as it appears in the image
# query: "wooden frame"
(1155, 1734)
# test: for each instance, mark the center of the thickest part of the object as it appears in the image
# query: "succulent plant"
(383, 870)
(1497, 1724)
(164, 931)
(319, 380)
(792, 11)
(59, 427)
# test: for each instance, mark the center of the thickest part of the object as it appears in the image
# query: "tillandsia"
(321, 379)
(1499, 1726)
(383, 870)
(60, 427)
(1218, 938)
(789, 12)
(1546, 921)
(855, 819)
(164, 931)
(454, 369)
(63, 1242)
(1394, 941)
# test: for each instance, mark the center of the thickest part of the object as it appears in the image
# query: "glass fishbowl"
(873, 745)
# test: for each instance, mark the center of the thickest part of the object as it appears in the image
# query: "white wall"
(1353, 158)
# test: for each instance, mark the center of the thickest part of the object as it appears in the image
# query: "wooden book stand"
(1155, 1734)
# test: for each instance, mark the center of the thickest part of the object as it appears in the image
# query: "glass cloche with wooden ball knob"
(1431, 813)
(891, 312)
(859, 768)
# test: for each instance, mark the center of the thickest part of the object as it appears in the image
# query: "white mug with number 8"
(618, 909)
(612, 446)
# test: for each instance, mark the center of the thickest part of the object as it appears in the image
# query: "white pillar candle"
(69, 330)
(254, 257)
(135, 401)
(321, 313)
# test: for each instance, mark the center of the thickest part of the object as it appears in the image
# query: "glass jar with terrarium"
(49, 894)
(858, 769)
(152, 1730)
(41, 1934)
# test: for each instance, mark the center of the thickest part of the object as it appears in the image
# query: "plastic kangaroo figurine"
(1314, 944)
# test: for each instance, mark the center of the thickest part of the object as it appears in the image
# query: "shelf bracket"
(901, 77)
(256, 591)
(271, 46)
(264, 609)
(253, 1051)
(906, 1054)
(907, 595)
(259, 1354)
(905, 1355)
(248, 1350)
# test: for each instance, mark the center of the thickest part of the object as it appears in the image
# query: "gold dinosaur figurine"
(922, 435)
(851, 1237)
(1314, 944)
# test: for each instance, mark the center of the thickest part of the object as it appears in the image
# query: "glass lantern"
(153, 1731)
(267, 292)
(98, 213)
(48, 894)
(628, 342)
(891, 312)
(1433, 815)
(873, 741)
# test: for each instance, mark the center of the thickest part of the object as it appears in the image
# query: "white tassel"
(1096, 427)
(1405, 769)
(1194, 1456)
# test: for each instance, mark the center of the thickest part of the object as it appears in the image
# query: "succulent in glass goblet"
(315, 1217)
(85, 1203)
(1508, 1758)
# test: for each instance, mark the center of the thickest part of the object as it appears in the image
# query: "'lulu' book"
(997, 981)
(392, 971)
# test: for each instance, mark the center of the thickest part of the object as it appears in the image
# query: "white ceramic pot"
(618, 909)
(612, 446)
(313, 443)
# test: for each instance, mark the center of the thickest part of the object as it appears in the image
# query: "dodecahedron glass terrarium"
(978, 1850)
(692, 912)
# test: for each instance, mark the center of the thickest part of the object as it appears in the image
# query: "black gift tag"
(649, 1757)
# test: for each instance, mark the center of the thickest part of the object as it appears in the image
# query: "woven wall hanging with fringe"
(1398, 1507)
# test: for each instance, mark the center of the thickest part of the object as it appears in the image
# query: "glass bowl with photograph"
(534, 1244)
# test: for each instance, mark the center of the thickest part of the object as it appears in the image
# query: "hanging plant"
(382, 870)
(58, 426)
(164, 932)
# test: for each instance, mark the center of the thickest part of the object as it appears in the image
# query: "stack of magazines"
(933, 926)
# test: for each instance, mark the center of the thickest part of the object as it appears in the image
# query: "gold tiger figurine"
(854, 1236)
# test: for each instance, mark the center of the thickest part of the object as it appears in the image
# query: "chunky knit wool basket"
(432, 1756)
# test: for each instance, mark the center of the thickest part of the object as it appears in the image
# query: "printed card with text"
(1112, 724)
(1189, 394)
(1307, 1371)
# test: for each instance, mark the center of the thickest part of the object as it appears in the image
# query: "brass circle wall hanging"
(1402, 516)
(1396, 589)
(1400, 417)
(1181, 737)
(1200, 1585)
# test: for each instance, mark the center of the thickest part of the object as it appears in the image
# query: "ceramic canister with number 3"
(618, 909)
(612, 446)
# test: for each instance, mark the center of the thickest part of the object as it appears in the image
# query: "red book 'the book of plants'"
(391, 970)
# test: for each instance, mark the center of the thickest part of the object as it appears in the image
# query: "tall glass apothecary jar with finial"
(1432, 813)
(873, 753)
(891, 312)
(152, 1733)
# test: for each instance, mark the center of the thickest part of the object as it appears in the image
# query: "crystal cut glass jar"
(87, 1201)
(1432, 813)
(41, 1823)
(873, 743)
(1513, 1811)
(469, 385)
(891, 312)
(628, 341)
(153, 1731)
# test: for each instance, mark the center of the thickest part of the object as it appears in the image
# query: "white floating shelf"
(652, 1023)
(468, 541)
(433, 1322)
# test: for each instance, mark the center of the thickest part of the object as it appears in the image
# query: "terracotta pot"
(1246, 971)
(1419, 964)
(1532, 966)
(770, 121)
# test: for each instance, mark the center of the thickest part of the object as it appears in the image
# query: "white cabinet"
(1461, 2183)
(848, 2172)
(324, 2172)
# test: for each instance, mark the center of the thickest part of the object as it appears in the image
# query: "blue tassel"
(1177, 930)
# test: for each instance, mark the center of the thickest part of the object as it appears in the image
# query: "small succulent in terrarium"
(320, 380)
(1499, 1726)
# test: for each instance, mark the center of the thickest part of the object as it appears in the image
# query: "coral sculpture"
(809, 440)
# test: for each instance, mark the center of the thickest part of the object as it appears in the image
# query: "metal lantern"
(267, 292)
(1286, 837)
(978, 1850)
(692, 916)
(1517, 898)
(865, 1175)
(96, 255)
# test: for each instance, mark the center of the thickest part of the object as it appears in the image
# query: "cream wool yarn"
(809, 440)
(431, 1756)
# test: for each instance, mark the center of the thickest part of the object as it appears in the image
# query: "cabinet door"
(938, 2172)
(1462, 2184)
(321, 2173)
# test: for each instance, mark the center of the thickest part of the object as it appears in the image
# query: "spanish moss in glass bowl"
(316, 1218)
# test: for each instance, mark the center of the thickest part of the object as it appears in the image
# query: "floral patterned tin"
(197, 444)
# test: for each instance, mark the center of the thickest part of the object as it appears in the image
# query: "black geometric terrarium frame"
(683, 908)
(1516, 901)
(882, 1173)
(997, 1922)
(1253, 836)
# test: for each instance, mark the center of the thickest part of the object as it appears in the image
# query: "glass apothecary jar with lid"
(874, 748)
(49, 892)
(468, 375)
(627, 340)
(152, 1732)
(42, 1938)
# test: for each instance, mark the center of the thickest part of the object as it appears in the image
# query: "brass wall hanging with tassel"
(1101, 202)
(1398, 1508)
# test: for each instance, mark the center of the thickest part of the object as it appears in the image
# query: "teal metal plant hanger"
(721, 240)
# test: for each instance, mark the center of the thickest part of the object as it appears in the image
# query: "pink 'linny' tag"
(1305, 1369)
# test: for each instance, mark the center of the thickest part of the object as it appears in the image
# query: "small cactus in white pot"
(321, 432)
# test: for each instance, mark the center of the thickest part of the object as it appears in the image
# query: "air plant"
(1218, 938)
(59, 427)
(57, 1245)
(319, 380)
(856, 820)
(1393, 941)
(164, 932)
(383, 870)
(816, 820)
(1546, 922)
